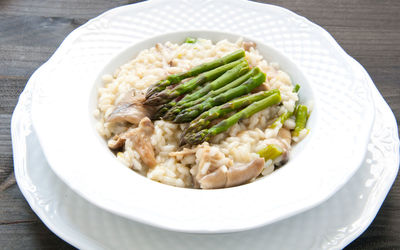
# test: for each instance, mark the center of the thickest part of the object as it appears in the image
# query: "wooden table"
(30, 31)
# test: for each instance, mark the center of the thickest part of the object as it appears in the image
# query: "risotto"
(224, 123)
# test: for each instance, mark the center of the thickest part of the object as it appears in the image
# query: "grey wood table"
(31, 30)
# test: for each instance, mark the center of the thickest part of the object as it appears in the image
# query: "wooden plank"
(19, 62)
(11, 89)
(6, 161)
(31, 30)
(342, 13)
(36, 30)
(60, 8)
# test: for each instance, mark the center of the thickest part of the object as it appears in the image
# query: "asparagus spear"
(206, 134)
(169, 94)
(270, 152)
(296, 88)
(301, 120)
(190, 40)
(176, 78)
(283, 117)
(204, 120)
(226, 78)
(190, 113)
(179, 107)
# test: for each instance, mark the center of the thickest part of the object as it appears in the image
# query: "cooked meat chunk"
(140, 138)
(131, 108)
(214, 170)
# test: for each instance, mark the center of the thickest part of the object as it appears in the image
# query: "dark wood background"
(31, 30)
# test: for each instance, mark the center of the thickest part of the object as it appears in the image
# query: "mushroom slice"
(116, 142)
(285, 137)
(216, 179)
(233, 176)
(184, 152)
(140, 138)
(262, 87)
(240, 174)
(248, 45)
(131, 108)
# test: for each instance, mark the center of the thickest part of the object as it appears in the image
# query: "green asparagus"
(226, 78)
(169, 94)
(176, 78)
(190, 113)
(204, 120)
(270, 152)
(283, 117)
(206, 134)
(301, 120)
(296, 88)
(179, 107)
(190, 40)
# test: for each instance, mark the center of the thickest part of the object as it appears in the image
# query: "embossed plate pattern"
(343, 111)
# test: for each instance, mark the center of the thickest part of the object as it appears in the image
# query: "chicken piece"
(214, 170)
(131, 108)
(248, 45)
(140, 138)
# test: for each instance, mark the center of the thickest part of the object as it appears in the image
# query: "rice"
(237, 145)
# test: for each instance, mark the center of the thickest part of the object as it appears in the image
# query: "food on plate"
(201, 114)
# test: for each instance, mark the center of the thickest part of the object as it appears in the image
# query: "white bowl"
(340, 124)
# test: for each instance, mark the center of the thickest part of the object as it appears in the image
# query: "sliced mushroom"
(116, 142)
(233, 176)
(216, 179)
(285, 138)
(131, 108)
(184, 152)
(262, 87)
(214, 170)
(248, 45)
(239, 174)
(140, 138)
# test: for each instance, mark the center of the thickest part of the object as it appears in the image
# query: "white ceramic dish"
(342, 118)
(270, 54)
(332, 225)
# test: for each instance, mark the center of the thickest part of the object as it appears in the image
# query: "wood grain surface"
(30, 31)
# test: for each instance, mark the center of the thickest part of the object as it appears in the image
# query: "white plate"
(332, 225)
(335, 147)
